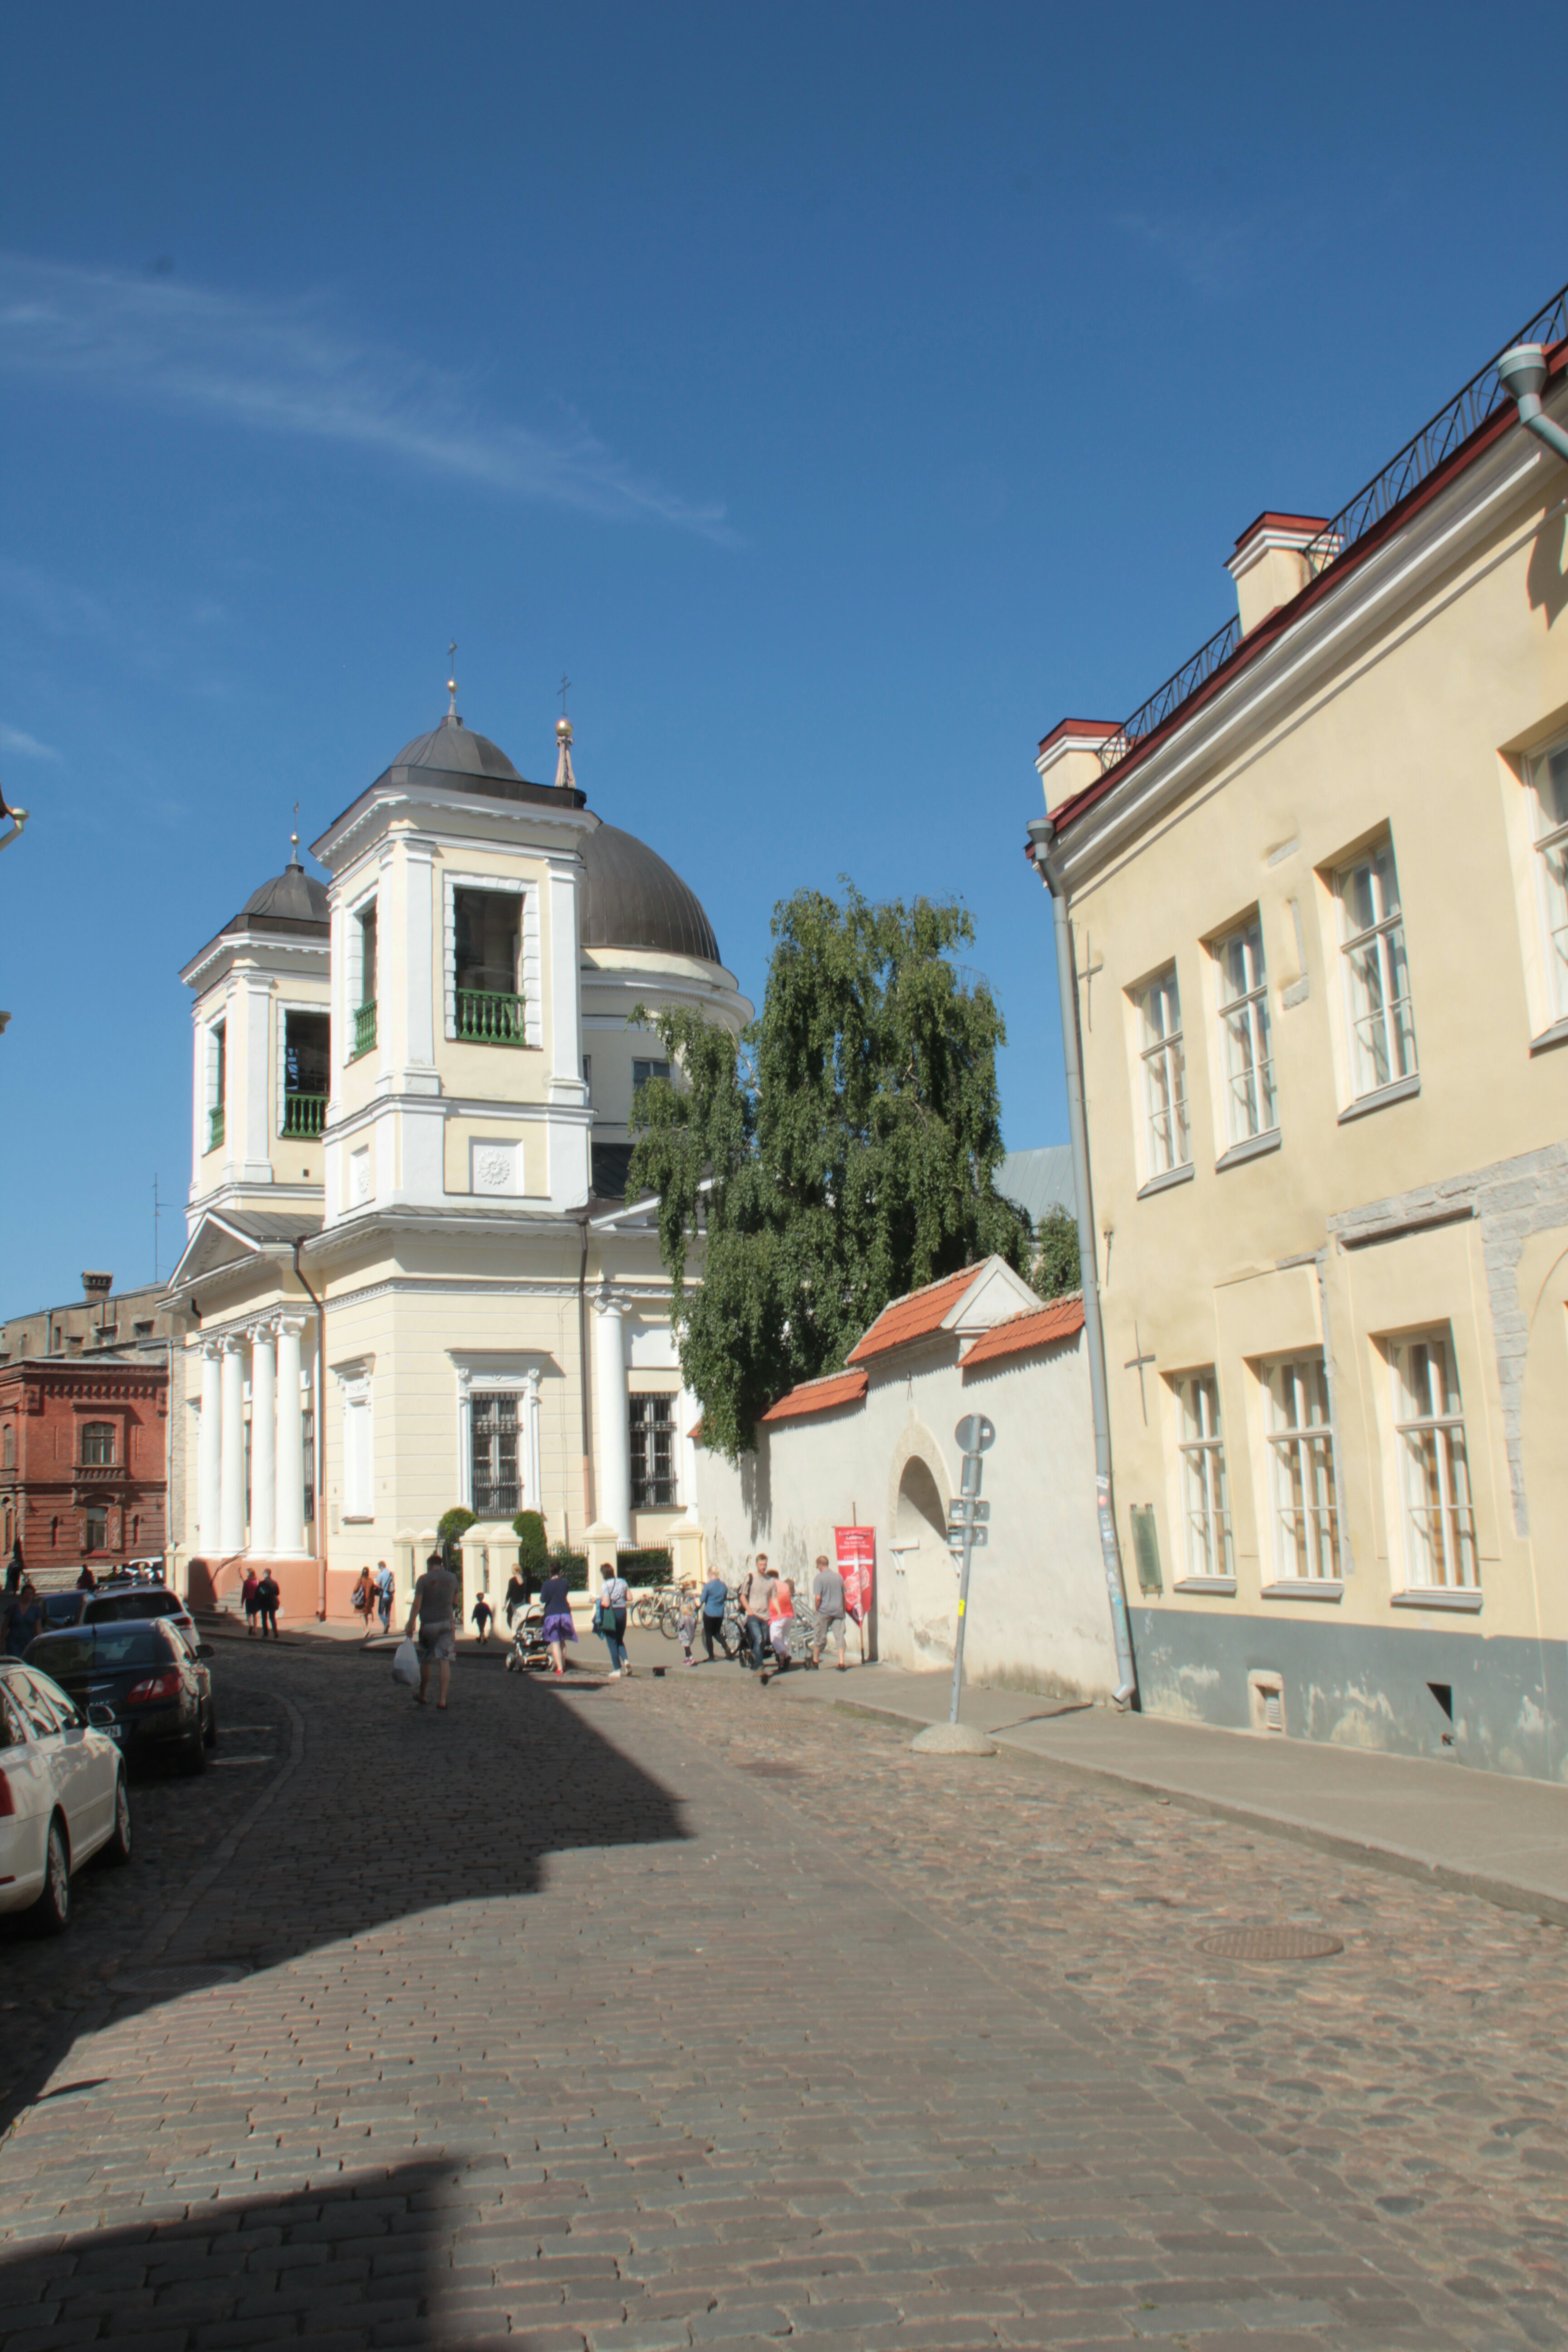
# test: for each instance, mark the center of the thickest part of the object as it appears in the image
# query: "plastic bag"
(406, 1666)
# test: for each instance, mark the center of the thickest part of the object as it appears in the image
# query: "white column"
(231, 1474)
(611, 1412)
(534, 1488)
(690, 1414)
(289, 1514)
(209, 1457)
(263, 1437)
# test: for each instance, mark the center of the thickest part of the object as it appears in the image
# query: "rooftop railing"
(1420, 458)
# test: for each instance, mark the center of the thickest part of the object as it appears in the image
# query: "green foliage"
(847, 1146)
(532, 1552)
(572, 1565)
(1056, 1267)
(450, 1529)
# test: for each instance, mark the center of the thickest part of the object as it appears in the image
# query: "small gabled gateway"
(413, 1279)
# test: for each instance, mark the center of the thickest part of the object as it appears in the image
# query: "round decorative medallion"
(495, 1168)
(1270, 1944)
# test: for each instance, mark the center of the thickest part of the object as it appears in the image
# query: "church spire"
(452, 685)
(563, 775)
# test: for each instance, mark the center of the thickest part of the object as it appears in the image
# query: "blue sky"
(840, 395)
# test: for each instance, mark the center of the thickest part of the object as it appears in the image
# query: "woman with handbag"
(610, 1621)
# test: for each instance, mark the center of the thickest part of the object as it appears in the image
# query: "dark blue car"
(158, 1691)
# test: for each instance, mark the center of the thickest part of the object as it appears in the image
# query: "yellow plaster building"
(411, 1279)
(1318, 891)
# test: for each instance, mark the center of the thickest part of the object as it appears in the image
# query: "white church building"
(412, 1278)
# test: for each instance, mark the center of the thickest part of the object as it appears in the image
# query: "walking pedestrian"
(87, 1581)
(432, 1609)
(481, 1613)
(268, 1595)
(557, 1627)
(515, 1598)
(686, 1621)
(385, 1586)
(715, 1601)
(362, 1597)
(781, 1615)
(827, 1601)
(247, 1592)
(614, 1599)
(756, 1591)
(24, 1618)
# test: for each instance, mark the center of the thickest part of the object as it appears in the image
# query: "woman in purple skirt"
(558, 1628)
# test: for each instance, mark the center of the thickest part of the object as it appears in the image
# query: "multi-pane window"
(1301, 1469)
(643, 1071)
(1250, 1106)
(1205, 1497)
(98, 1444)
(488, 1007)
(1166, 1142)
(1429, 1432)
(496, 1491)
(362, 1011)
(95, 1528)
(1549, 776)
(653, 1453)
(217, 1082)
(1377, 978)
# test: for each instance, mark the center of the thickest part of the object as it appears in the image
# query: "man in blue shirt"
(715, 1593)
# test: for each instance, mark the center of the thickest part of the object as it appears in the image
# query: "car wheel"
(209, 1736)
(193, 1755)
(51, 1914)
(118, 1850)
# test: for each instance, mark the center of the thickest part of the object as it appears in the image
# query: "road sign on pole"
(966, 1528)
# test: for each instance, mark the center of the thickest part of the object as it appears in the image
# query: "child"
(686, 1622)
(482, 1613)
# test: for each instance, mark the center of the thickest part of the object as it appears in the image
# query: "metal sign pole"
(962, 1610)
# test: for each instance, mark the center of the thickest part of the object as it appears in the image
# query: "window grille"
(1301, 1469)
(1550, 777)
(653, 1453)
(1250, 1107)
(1377, 978)
(1429, 1426)
(496, 1491)
(98, 1444)
(1164, 1075)
(1205, 1497)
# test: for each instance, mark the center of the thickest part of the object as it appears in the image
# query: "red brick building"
(82, 1461)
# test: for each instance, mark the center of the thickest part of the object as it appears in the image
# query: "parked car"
(120, 1604)
(62, 1794)
(146, 1676)
(200, 1651)
(61, 1608)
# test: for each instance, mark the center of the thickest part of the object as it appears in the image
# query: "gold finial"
(294, 838)
(452, 680)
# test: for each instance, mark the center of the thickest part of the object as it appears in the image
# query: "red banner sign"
(857, 1550)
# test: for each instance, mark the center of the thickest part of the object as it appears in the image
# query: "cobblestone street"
(671, 2012)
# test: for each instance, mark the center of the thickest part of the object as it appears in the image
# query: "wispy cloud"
(25, 746)
(286, 367)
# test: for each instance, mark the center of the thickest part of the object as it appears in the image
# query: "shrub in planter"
(532, 1552)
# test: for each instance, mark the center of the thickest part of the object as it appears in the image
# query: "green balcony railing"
(215, 1128)
(364, 1029)
(485, 1018)
(304, 1114)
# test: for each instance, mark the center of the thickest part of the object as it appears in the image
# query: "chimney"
(1270, 566)
(1068, 758)
(96, 1287)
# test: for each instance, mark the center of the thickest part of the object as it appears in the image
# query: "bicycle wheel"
(668, 1618)
(642, 1612)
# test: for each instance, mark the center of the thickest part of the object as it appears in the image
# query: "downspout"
(1521, 372)
(1048, 864)
(320, 1433)
(584, 1373)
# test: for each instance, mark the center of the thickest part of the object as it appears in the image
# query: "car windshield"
(60, 1608)
(98, 1650)
(114, 1607)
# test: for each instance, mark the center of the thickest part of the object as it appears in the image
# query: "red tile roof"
(819, 1396)
(914, 1317)
(1042, 1328)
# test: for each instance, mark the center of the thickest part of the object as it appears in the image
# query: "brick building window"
(98, 1444)
(653, 1453)
(1250, 1106)
(1301, 1470)
(1205, 1496)
(1165, 1136)
(1377, 976)
(8, 1446)
(497, 1494)
(95, 1528)
(1429, 1434)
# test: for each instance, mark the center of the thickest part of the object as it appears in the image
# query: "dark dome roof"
(457, 749)
(291, 896)
(633, 899)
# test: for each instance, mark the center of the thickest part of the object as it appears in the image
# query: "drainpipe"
(319, 1418)
(1048, 864)
(1521, 372)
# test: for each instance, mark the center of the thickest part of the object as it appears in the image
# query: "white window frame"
(285, 1006)
(1432, 1464)
(1383, 941)
(217, 1060)
(490, 1372)
(1251, 1102)
(1164, 1076)
(1549, 813)
(657, 1396)
(1207, 1543)
(1303, 1495)
(353, 970)
(531, 963)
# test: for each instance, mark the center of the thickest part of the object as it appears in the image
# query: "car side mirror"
(101, 1718)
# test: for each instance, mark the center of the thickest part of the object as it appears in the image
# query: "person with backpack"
(362, 1597)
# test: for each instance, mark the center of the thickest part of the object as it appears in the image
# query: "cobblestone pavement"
(667, 2014)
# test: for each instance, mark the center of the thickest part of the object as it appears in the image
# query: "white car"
(62, 1795)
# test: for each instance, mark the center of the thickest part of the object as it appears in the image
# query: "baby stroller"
(528, 1640)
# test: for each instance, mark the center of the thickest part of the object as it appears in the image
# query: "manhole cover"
(1269, 1944)
(169, 1981)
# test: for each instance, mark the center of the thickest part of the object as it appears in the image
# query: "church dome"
(631, 898)
(291, 896)
(457, 751)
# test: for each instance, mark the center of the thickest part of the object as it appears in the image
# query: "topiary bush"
(532, 1552)
(450, 1529)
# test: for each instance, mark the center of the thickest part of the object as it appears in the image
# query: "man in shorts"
(827, 1601)
(434, 1601)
